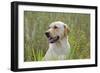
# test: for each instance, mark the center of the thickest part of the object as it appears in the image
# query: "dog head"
(57, 31)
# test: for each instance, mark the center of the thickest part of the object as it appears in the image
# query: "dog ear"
(66, 30)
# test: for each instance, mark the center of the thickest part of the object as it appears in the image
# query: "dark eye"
(48, 27)
(55, 27)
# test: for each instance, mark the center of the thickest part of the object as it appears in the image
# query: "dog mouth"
(53, 39)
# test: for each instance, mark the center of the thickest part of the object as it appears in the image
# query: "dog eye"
(55, 27)
(48, 27)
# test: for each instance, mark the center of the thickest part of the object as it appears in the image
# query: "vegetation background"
(35, 41)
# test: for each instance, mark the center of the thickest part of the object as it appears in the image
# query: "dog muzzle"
(51, 39)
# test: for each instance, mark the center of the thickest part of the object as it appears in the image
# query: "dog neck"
(59, 50)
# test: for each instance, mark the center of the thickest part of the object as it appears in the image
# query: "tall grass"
(35, 42)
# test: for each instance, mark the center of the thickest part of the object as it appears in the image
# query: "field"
(35, 42)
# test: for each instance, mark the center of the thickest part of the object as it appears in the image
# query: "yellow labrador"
(59, 47)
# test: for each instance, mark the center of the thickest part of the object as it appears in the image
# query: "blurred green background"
(35, 41)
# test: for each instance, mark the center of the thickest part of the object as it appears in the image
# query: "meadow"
(35, 41)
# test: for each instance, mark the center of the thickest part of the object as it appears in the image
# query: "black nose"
(47, 34)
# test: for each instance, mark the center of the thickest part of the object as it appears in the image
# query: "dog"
(59, 47)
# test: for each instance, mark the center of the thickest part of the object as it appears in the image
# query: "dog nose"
(47, 34)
